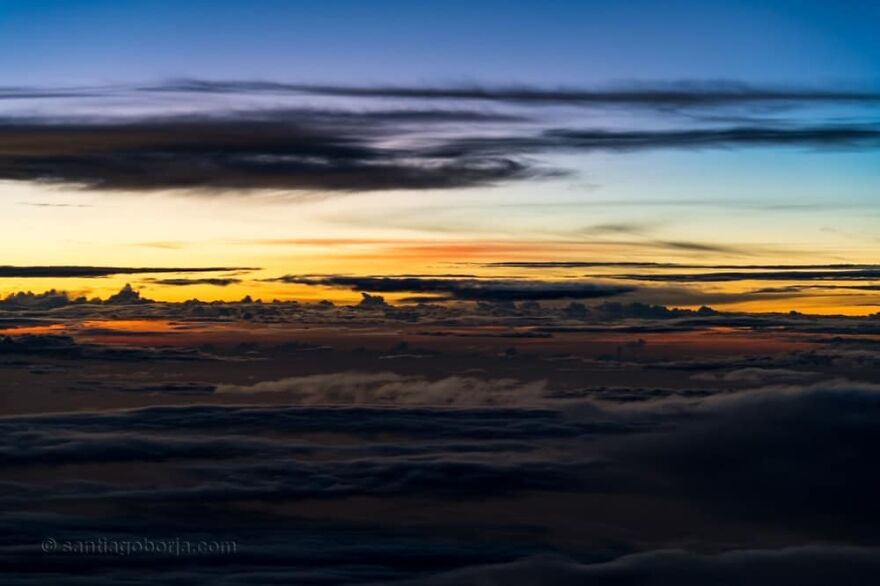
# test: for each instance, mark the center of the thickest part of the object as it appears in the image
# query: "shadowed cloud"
(574, 140)
(805, 566)
(218, 282)
(667, 265)
(281, 151)
(655, 96)
(467, 289)
(862, 274)
(86, 271)
(300, 152)
(297, 148)
(652, 95)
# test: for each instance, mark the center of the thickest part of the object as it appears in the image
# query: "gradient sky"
(805, 202)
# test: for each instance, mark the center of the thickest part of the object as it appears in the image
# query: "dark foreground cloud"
(413, 422)
(804, 566)
(467, 289)
(788, 498)
(62, 346)
(784, 468)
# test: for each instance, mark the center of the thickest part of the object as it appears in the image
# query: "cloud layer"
(430, 137)
(87, 271)
(467, 289)
(283, 152)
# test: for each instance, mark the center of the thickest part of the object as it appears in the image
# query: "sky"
(393, 138)
(439, 293)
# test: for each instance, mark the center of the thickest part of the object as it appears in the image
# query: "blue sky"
(489, 41)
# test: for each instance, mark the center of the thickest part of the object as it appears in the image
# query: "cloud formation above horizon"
(428, 138)
(284, 151)
(653, 95)
(467, 289)
(862, 273)
(94, 271)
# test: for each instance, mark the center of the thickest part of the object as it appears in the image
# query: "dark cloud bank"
(232, 153)
(56, 272)
(869, 273)
(467, 289)
(290, 154)
(307, 149)
(801, 468)
(389, 462)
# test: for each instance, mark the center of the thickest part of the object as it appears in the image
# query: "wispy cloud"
(234, 153)
(863, 136)
(218, 282)
(467, 289)
(41, 204)
(87, 271)
(864, 274)
(683, 94)
(424, 144)
(664, 265)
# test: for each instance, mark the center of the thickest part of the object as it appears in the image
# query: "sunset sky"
(455, 138)
(439, 293)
